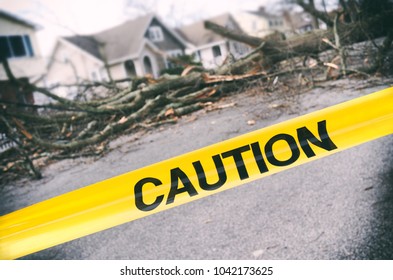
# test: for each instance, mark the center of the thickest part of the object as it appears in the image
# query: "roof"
(86, 43)
(17, 19)
(198, 35)
(124, 40)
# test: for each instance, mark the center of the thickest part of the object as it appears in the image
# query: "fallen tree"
(274, 49)
(68, 126)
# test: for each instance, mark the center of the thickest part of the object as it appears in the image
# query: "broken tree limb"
(100, 136)
(90, 126)
(76, 126)
(19, 147)
(310, 8)
(233, 35)
(383, 50)
(311, 42)
(243, 64)
(339, 47)
(33, 88)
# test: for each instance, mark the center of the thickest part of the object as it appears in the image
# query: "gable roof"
(17, 19)
(124, 40)
(198, 35)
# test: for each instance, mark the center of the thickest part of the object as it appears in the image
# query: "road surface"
(338, 207)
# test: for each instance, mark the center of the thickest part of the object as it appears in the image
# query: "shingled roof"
(86, 43)
(124, 40)
(119, 41)
(17, 19)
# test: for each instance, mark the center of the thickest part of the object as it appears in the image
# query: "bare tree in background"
(175, 14)
(140, 7)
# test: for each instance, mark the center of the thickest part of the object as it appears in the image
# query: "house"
(210, 48)
(298, 22)
(260, 23)
(19, 45)
(135, 48)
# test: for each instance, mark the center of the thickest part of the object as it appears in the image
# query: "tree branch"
(309, 8)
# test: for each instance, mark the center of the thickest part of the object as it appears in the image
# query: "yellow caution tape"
(195, 175)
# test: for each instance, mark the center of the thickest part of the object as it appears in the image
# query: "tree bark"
(311, 42)
(314, 18)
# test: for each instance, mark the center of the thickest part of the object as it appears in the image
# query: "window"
(15, 46)
(155, 34)
(170, 62)
(216, 51)
(175, 53)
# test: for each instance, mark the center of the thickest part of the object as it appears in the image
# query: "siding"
(118, 71)
(11, 28)
(207, 58)
(70, 65)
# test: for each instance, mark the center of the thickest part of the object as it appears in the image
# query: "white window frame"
(175, 53)
(156, 34)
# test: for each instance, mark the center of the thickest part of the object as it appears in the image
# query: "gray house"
(135, 48)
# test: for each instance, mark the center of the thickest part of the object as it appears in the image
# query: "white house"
(210, 48)
(260, 23)
(298, 22)
(18, 44)
(135, 48)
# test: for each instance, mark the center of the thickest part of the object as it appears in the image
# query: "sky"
(70, 17)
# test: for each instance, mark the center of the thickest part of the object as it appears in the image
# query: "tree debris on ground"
(68, 128)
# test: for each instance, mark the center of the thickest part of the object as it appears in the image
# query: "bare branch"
(310, 8)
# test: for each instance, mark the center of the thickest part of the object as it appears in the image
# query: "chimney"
(261, 10)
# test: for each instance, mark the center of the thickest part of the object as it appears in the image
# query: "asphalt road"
(338, 207)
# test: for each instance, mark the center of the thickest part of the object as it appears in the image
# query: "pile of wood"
(68, 128)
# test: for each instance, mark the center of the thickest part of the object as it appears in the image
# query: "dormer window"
(155, 34)
(15, 46)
